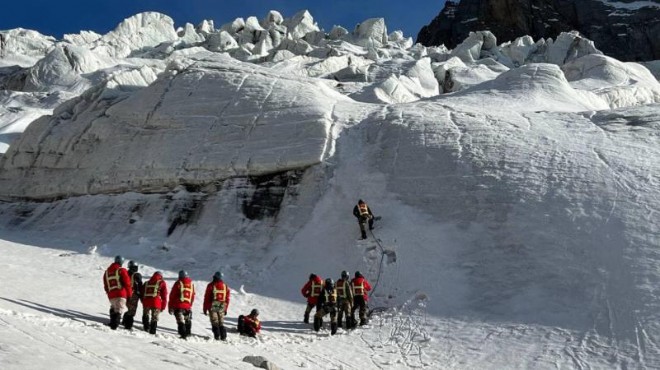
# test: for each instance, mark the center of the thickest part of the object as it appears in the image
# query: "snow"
(517, 186)
(630, 5)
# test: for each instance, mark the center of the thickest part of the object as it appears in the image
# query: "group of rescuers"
(125, 289)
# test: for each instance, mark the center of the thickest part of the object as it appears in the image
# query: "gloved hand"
(206, 312)
(171, 311)
(225, 313)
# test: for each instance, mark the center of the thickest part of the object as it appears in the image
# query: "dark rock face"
(622, 30)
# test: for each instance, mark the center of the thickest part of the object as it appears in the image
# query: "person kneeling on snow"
(249, 325)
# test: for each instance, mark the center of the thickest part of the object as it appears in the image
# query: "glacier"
(517, 185)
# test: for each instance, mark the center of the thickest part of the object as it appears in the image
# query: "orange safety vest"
(113, 281)
(220, 294)
(186, 292)
(364, 210)
(330, 297)
(316, 289)
(358, 289)
(133, 278)
(341, 289)
(152, 290)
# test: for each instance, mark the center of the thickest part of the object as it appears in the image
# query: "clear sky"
(57, 17)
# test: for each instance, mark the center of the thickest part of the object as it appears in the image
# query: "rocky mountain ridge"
(625, 30)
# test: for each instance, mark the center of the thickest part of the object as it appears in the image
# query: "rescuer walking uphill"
(344, 300)
(117, 285)
(327, 304)
(154, 301)
(216, 304)
(311, 290)
(361, 288)
(134, 300)
(182, 297)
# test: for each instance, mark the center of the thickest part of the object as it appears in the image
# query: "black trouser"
(359, 303)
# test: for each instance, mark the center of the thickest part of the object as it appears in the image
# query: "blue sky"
(56, 17)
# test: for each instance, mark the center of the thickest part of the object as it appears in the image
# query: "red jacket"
(252, 322)
(360, 287)
(116, 282)
(182, 295)
(312, 289)
(221, 294)
(154, 293)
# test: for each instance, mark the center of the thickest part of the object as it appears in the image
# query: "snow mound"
(619, 84)
(454, 75)
(252, 121)
(532, 87)
(137, 34)
(23, 47)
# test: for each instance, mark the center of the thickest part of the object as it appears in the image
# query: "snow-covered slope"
(518, 221)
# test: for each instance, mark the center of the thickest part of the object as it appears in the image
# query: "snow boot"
(306, 318)
(363, 322)
(339, 323)
(223, 332)
(181, 328)
(351, 323)
(364, 235)
(145, 323)
(333, 328)
(240, 327)
(153, 327)
(128, 321)
(318, 322)
(115, 318)
(188, 328)
(216, 332)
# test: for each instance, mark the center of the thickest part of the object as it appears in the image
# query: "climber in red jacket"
(311, 290)
(182, 297)
(216, 304)
(360, 287)
(117, 285)
(154, 301)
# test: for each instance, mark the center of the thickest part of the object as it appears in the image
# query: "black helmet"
(183, 274)
(358, 274)
(312, 276)
(133, 266)
(218, 275)
(254, 312)
(329, 283)
(344, 274)
(119, 259)
(360, 201)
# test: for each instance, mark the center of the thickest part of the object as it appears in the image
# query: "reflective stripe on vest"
(364, 210)
(152, 290)
(316, 289)
(186, 292)
(341, 289)
(114, 281)
(133, 278)
(220, 294)
(358, 289)
(330, 297)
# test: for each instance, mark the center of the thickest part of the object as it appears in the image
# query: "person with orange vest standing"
(363, 213)
(182, 297)
(344, 300)
(311, 290)
(133, 301)
(360, 287)
(216, 304)
(117, 285)
(154, 301)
